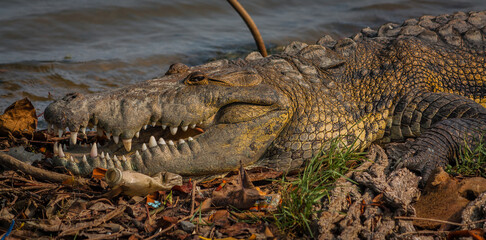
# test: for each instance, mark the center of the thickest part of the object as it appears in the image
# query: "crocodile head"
(192, 121)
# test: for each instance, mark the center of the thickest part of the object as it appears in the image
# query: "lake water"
(52, 47)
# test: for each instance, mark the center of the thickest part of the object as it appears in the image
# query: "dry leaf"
(19, 119)
(99, 173)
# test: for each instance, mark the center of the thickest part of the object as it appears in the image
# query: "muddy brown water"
(53, 47)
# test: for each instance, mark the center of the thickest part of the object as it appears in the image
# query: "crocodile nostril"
(71, 96)
(177, 68)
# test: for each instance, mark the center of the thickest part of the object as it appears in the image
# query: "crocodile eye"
(196, 78)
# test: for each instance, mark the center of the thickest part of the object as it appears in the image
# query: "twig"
(423, 232)
(94, 223)
(251, 25)
(168, 228)
(41, 174)
(430, 220)
(193, 197)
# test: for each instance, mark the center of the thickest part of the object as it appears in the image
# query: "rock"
(187, 226)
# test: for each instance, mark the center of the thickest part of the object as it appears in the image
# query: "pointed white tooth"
(192, 125)
(137, 134)
(184, 128)
(173, 130)
(108, 156)
(161, 141)
(56, 149)
(137, 153)
(74, 138)
(181, 141)
(124, 158)
(200, 123)
(64, 147)
(60, 151)
(115, 158)
(127, 143)
(190, 139)
(84, 158)
(154, 123)
(144, 147)
(145, 127)
(83, 130)
(116, 139)
(94, 151)
(102, 155)
(152, 142)
(71, 158)
(59, 132)
(164, 126)
(170, 142)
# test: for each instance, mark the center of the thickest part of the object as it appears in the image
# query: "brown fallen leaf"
(240, 194)
(19, 119)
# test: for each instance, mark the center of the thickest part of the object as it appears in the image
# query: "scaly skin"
(425, 79)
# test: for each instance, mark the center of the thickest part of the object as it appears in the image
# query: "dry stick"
(168, 228)
(430, 220)
(41, 174)
(96, 222)
(193, 197)
(251, 25)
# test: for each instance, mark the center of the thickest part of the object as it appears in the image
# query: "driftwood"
(10, 162)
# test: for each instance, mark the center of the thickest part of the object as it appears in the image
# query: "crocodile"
(423, 79)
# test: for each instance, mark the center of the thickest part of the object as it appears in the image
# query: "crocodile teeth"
(192, 125)
(124, 158)
(116, 139)
(152, 143)
(181, 141)
(84, 158)
(154, 123)
(144, 147)
(94, 151)
(115, 158)
(184, 128)
(170, 142)
(83, 130)
(161, 141)
(71, 158)
(164, 126)
(173, 130)
(59, 132)
(56, 149)
(102, 155)
(74, 138)
(60, 151)
(190, 139)
(127, 143)
(108, 156)
(145, 127)
(137, 154)
(137, 134)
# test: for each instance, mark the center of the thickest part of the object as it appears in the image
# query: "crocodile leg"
(447, 121)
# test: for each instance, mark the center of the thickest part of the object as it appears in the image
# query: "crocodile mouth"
(171, 145)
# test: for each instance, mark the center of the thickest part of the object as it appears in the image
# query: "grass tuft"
(471, 161)
(301, 196)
